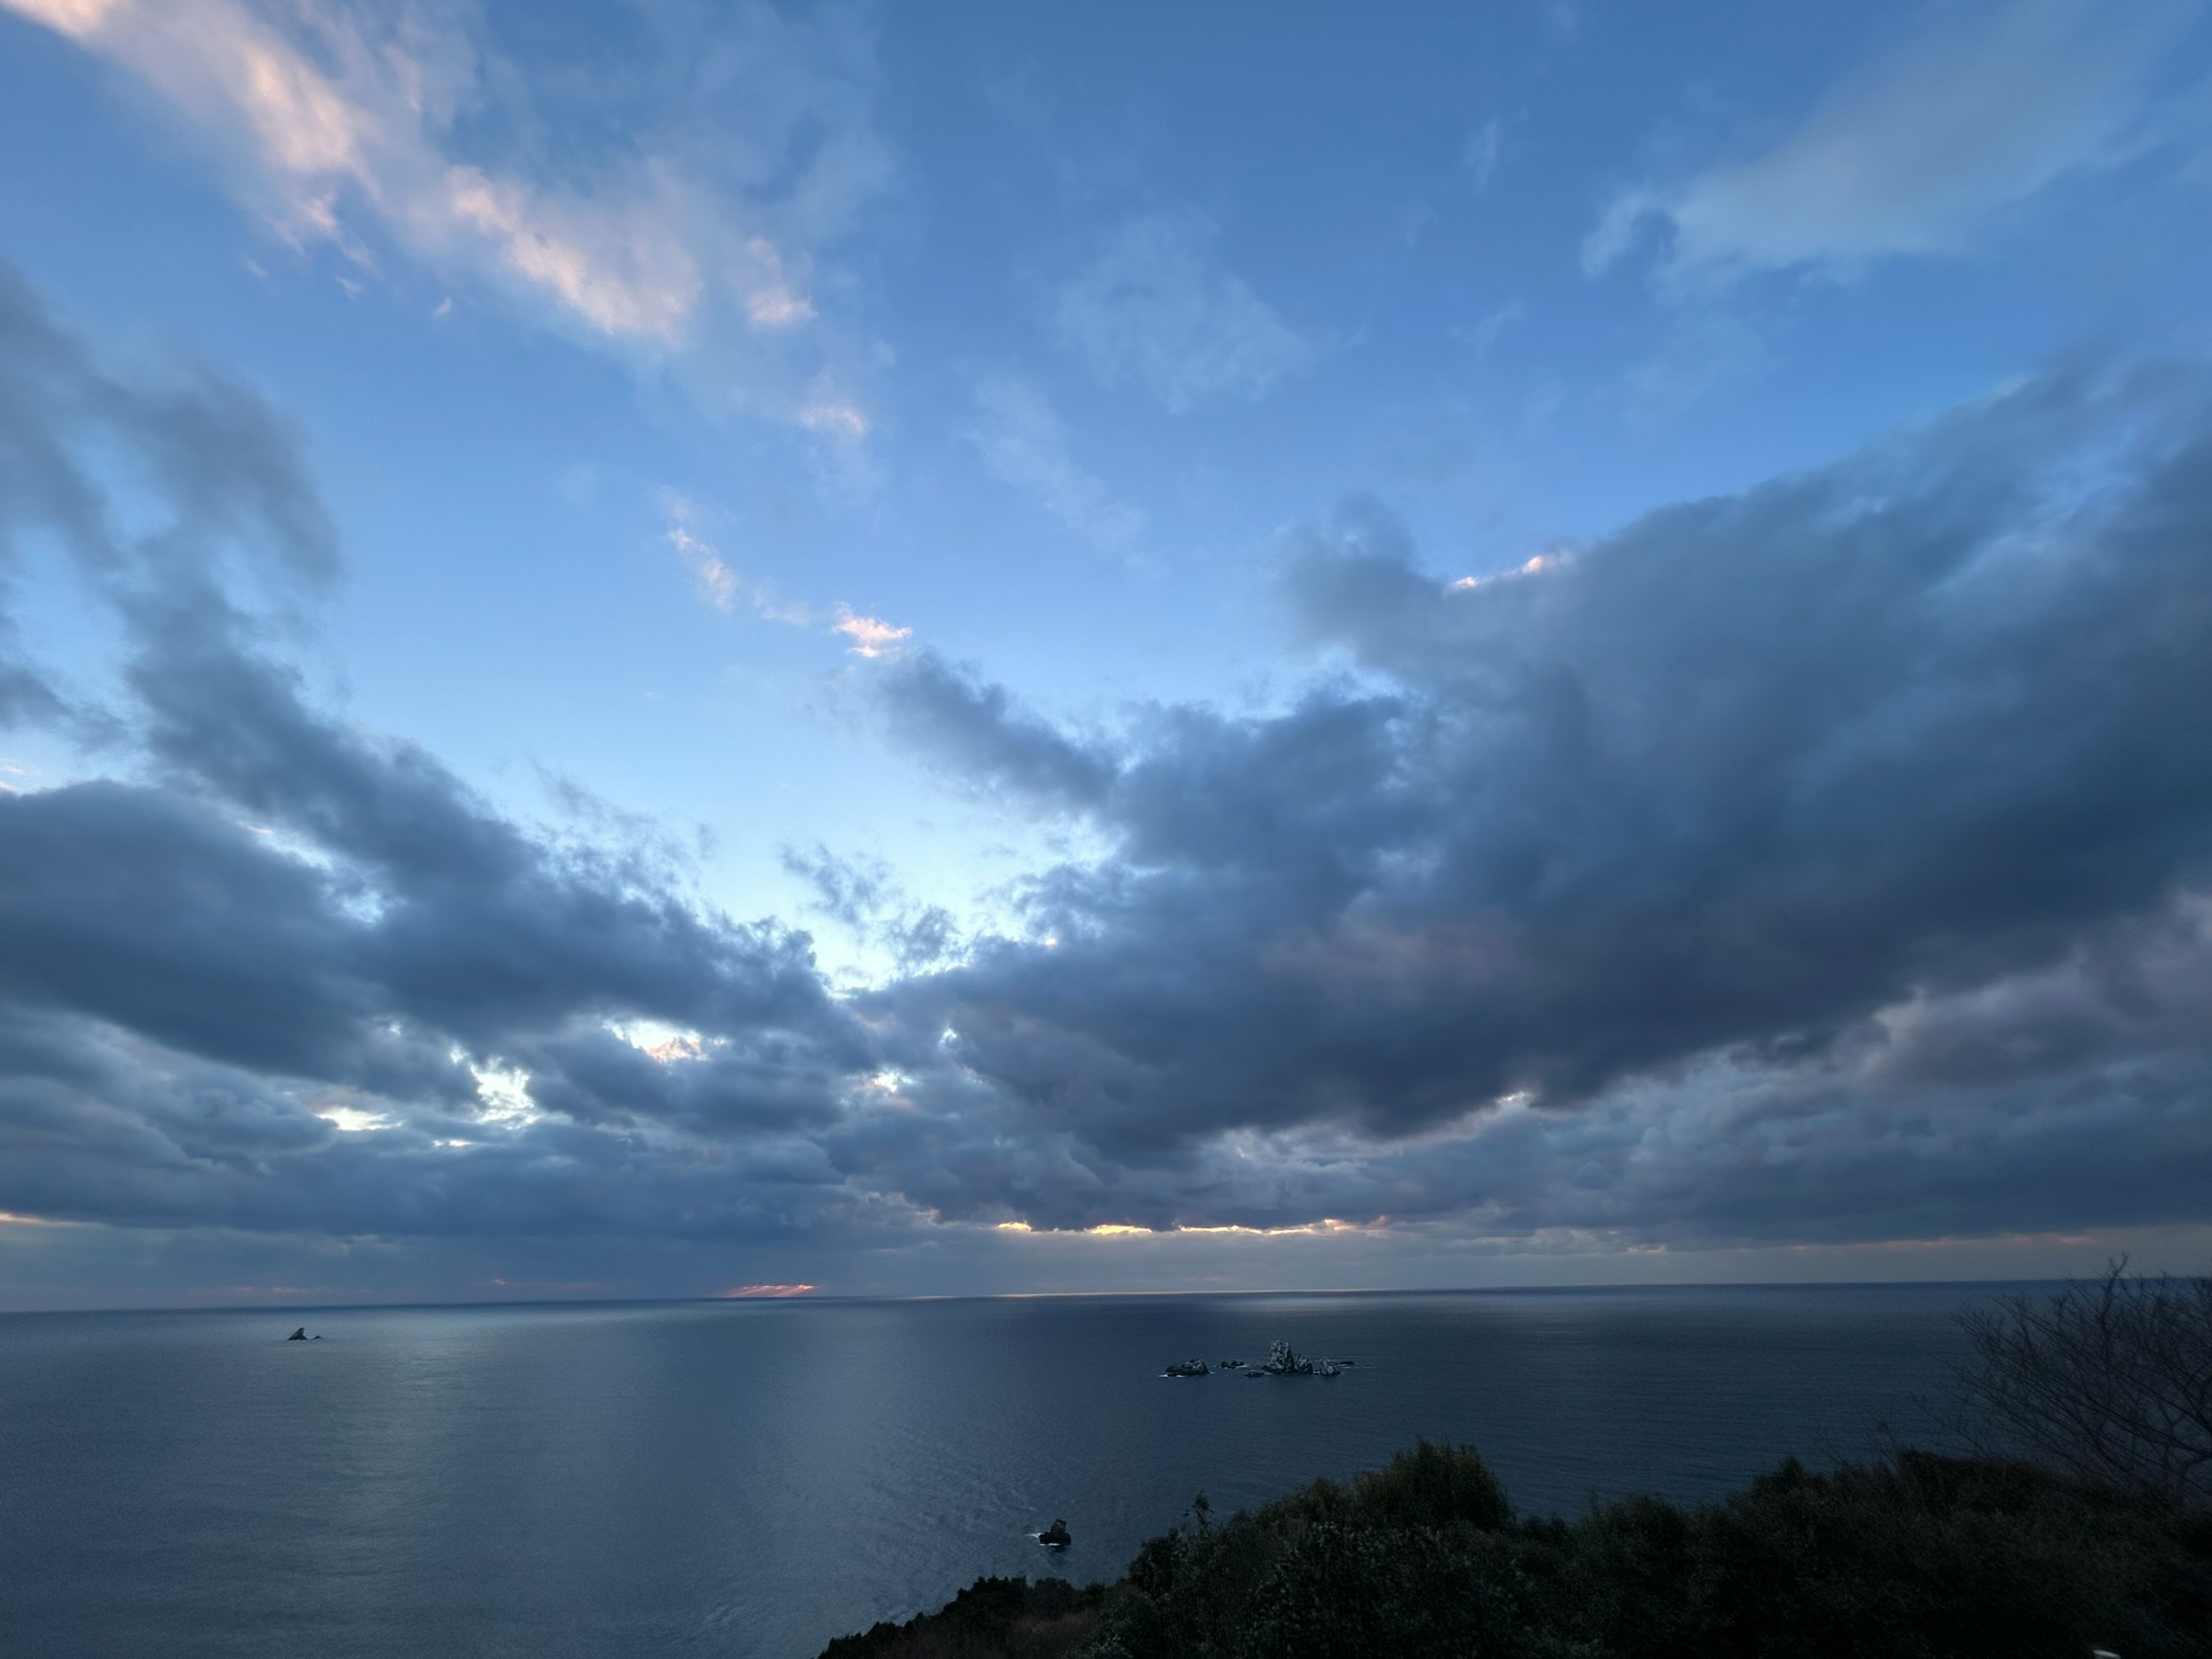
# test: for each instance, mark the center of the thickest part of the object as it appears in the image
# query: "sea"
(750, 1479)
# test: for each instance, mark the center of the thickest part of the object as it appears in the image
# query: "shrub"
(1433, 1485)
(1911, 1557)
(992, 1619)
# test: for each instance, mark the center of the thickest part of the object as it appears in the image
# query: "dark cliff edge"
(1914, 1554)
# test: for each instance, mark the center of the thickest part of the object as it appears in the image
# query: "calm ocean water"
(750, 1479)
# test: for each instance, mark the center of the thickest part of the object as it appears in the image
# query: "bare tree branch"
(2109, 1381)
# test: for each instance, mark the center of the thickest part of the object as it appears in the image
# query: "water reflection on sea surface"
(750, 1479)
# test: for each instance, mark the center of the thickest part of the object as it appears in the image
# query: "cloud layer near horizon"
(1823, 863)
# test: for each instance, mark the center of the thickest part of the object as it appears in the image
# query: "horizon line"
(718, 1299)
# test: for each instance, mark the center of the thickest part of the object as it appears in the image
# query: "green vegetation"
(992, 1619)
(2103, 1541)
(1914, 1555)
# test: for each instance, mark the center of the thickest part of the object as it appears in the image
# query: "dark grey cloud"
(864, 896)
(1737, 779)
(95, 1125)
(974, 726)
(1823, 863)
(224, 467)
(269, 920)
(1947, 1116)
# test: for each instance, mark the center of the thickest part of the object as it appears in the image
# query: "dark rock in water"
(316, 1337)
(1055, 1536)
(1283, 1360)
(300, 1335)
(1189, 1368)
(1232, 1364)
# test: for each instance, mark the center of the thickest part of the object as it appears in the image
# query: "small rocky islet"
(1282, 1360)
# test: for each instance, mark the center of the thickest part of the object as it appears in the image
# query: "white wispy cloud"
(1024, 443)
(833, 416)
(345, 123)
(1157, 307)
(870, 636)
(724, 587)
(772, 301)
(1917, 153)
(718, 583)
(1479, 153)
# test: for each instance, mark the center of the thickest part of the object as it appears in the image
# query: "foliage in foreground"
(992, 1619)
(1914, 1555)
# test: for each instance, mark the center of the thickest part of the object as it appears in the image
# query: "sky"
(653, 648)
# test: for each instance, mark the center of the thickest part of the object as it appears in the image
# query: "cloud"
(291, 974)
(1024, 443)
(1827, 863)
(865, 897)
(718, 584)
(952, 716)
(722, 586)
(1479, 154)
(226, 465)
(1917, 153)
(369, 129)
(1750, 778)
(870, 636)
(838, 419)
(1155, 308)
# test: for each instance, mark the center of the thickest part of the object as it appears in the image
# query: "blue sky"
(1279, 646)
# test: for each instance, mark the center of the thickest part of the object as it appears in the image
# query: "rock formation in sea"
(1283, 1360)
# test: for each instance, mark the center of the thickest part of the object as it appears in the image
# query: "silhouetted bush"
(1911, 1557)
(992, 1619)
(1412, 1560)
(1433, 1485)
(1914, 1555)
